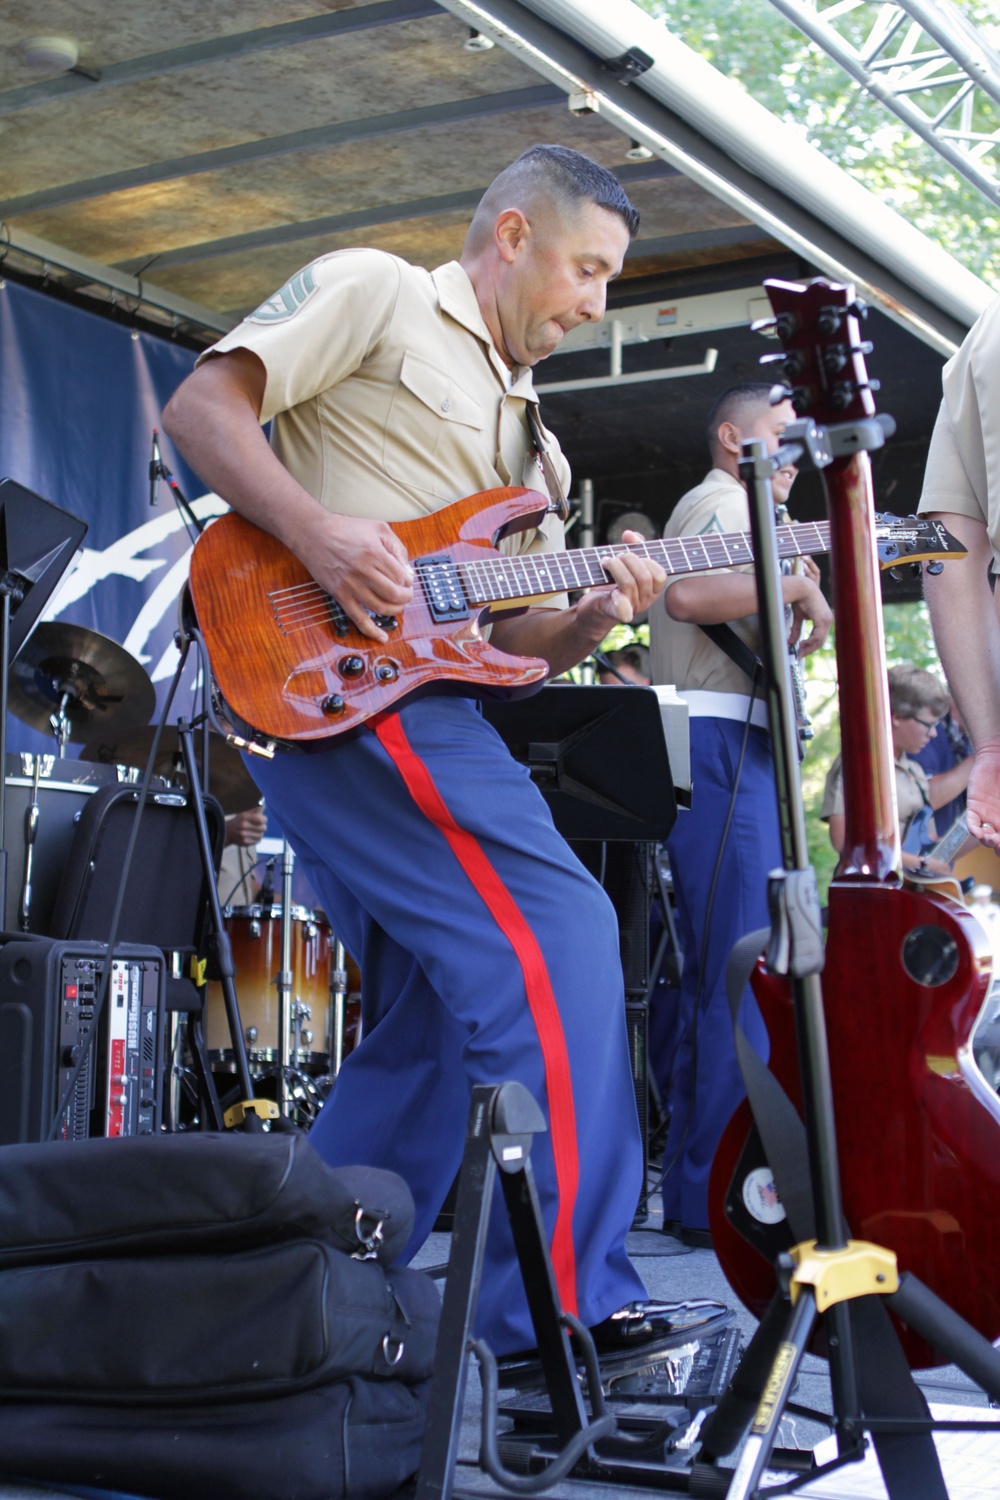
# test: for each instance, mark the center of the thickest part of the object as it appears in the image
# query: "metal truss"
(925, 62)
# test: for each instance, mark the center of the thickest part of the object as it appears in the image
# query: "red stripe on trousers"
(541, 1001)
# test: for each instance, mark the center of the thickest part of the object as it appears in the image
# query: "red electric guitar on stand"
(906, 972)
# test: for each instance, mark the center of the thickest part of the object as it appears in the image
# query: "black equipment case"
(184, 1316)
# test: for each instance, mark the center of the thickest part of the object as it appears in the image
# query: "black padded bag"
(356, 1440)
(178, 1329)
(191, 1193)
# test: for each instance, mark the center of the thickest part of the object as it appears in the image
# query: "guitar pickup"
(443, 591)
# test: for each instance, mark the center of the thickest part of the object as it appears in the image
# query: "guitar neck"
(947, 847)
(494, 578)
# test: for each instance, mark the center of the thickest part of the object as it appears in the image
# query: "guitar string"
(315, 604)
(300, 606)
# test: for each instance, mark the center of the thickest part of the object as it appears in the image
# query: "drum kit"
(298, 990)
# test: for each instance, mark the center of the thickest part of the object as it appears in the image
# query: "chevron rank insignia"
(284, 304)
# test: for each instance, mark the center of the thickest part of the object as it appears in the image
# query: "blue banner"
(80, 395)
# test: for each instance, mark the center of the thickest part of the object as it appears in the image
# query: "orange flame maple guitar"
(907, 972)
(289, 662)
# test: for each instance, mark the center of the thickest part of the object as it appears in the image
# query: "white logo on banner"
(122, 560)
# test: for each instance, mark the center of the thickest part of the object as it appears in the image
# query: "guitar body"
(278, 656)
(918, 1127)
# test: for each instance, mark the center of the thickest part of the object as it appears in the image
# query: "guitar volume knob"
(351, 666)
(333, 704)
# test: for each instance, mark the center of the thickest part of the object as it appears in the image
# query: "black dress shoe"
(639, 1323)
(636, 1326)
(695, 1239)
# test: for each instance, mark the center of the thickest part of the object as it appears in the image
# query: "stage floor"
(675, 1272)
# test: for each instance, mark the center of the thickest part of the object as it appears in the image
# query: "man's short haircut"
(912, 691)
(750, 399)
(560, 176)
(634, 655)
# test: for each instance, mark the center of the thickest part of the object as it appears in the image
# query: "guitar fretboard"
(496, 578)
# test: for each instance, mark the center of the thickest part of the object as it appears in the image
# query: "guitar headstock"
(824, 355)
(901, 540)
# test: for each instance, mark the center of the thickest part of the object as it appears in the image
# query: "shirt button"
(446, 404)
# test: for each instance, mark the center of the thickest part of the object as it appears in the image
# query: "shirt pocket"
(434, 432)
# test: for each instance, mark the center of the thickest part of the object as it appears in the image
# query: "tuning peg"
(896, 573)
(934, 567)
(865, 347)
(828, 320)
(764, 325)
(779, 393)
(834, 359)
(859, 308)
(787, 325)
(799, 396)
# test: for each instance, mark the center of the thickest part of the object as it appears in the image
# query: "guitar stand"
(502, 1121)
(844, 1284)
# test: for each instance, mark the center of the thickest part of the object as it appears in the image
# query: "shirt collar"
(457, 297)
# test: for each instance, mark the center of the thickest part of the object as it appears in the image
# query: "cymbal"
(106, 688)
(228, 778)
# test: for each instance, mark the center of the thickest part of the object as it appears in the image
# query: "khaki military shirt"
(680, 652)
(386, 395)
(963, 462)
(912, 791)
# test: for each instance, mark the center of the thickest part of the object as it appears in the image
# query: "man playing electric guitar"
(721, 891)
(487, 952)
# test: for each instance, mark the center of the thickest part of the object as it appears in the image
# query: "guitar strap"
(554, 485)
(725, 637)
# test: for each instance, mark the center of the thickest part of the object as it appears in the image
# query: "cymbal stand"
(338, 994)
(219, 947)
(60, 722)
(285, 982)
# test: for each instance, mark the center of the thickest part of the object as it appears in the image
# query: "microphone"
(155, 465)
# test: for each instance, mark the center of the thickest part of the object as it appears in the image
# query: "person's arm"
(213, 417)
(246, 828)
(715, 599)
(945, 786)
(963, 614)
(563, 637)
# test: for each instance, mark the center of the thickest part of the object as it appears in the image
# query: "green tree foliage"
(755, 45)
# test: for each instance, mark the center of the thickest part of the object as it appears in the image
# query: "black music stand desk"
(598, 755)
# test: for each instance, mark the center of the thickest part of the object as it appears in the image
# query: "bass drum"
(255, 936)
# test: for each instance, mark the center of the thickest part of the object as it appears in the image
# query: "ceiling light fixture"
(49, 53)
(476, 42)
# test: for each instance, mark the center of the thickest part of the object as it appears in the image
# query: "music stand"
(38, 541)
(599, 757)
